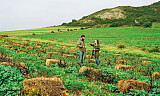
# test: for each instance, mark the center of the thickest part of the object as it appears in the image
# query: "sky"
(29, 14)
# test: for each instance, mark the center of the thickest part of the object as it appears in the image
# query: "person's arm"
(79, 44)
(92, 44)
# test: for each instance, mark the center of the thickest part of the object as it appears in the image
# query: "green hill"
(121, 15)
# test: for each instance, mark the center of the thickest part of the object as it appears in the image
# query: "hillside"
(121, 15)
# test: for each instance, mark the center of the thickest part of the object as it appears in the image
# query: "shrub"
(121, 46)
(154, 50)
(10, 81)
(82, 28)
(33, 34)
(116, 24)
(147, 24)
(143, 49)
(135, 24)
(52, 31)
(71, 30)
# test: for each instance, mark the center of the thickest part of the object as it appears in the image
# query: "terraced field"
(54, 55)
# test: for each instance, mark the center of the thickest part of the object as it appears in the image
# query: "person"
(95, 52)
(81, 48)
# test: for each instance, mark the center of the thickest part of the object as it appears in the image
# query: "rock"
(126, 85)
(147, 62)
(124, 67)
(156, 75)
(44, 86)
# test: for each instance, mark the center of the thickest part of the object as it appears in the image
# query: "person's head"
(97, 42)
(83, 37)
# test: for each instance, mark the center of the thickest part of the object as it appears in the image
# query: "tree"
(147, 24)
(74, 20)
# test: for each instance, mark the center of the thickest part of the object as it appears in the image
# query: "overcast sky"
(28, 14)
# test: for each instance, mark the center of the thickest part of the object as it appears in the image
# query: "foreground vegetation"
(32, 50)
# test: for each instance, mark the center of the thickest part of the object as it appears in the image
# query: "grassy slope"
(37, 31)
(131, 36)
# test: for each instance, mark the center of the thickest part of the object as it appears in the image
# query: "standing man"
(81, 48)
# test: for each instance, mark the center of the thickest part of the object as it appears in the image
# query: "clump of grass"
(120, 45)
(143, 49)
(154, 50)
(33, 34)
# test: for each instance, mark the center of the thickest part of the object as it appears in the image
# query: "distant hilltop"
(119, 16)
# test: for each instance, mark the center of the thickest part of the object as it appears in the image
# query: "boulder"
(126, 85)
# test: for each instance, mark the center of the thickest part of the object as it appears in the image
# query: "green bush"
(33, 34)
(82, 28)
(52, 31)
(147, 24)
(10, 82)
(116, 24)
(135, 24)
(143, 49)
(71, 30)
(154, 50)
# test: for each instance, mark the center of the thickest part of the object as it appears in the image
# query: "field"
(141, 55)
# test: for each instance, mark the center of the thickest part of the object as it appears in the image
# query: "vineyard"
(46, 63)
